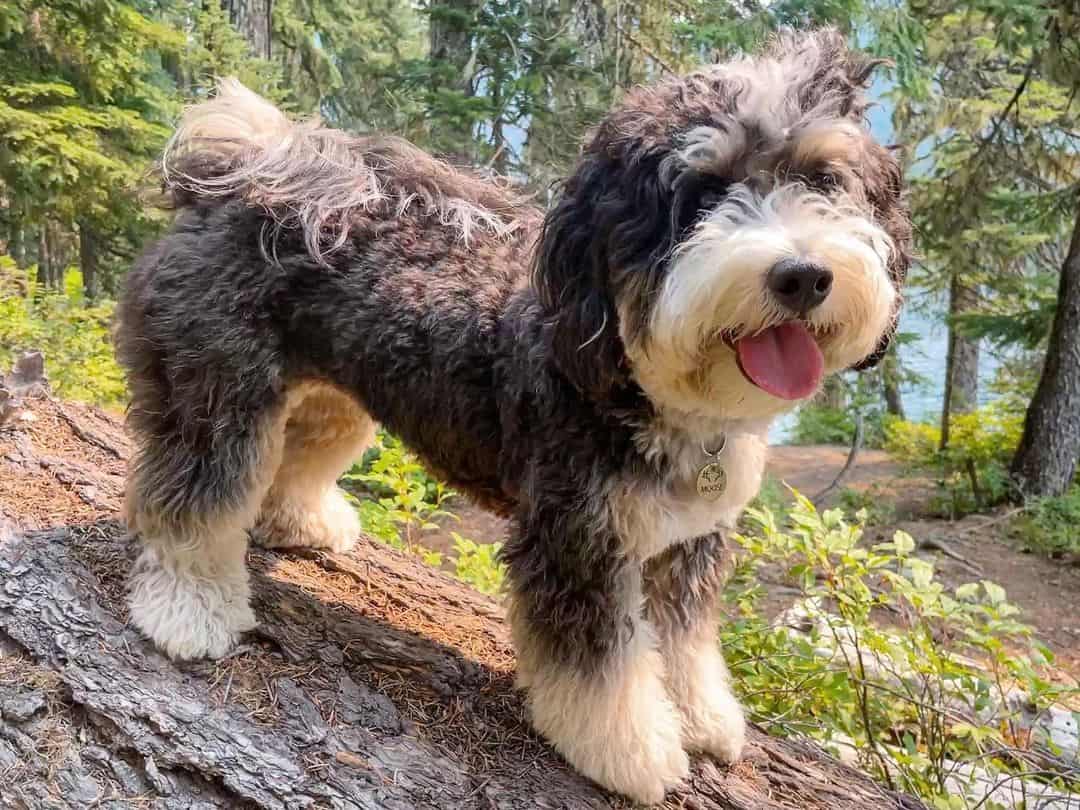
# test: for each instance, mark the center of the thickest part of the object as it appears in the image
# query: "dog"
(604, 373)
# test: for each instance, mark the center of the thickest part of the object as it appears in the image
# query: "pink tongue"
(784, 361)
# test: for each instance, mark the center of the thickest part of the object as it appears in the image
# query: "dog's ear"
(605, 241)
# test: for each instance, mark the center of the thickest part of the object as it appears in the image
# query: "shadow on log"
(372, 682)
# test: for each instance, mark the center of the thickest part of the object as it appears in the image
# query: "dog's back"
(305, 254)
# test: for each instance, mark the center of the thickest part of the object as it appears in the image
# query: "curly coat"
(314, 282)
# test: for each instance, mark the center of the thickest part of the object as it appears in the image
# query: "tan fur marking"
(325, 434)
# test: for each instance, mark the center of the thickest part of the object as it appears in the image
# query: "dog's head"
(730, 237)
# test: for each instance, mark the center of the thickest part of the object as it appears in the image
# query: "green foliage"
(873, 504)
(1051, 525)
(918, 701)
(820, 424)
(399, 501)
(913, 443)
(478, 564)
(973, 470)
(773, 496)
(81, 117)
(73, 337)
(404, 499)
(986, 90)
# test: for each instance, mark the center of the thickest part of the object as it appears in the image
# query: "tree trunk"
(88, 261)
(890, 383)
(254, 20)
(961, 362)
(451, 54)
(1049, 451)
(17, 244)
(833, 394)
(44, 259)
(373, 681)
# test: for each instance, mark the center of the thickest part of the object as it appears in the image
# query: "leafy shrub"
(819, 424)
(478, 564)
(403, 498)
(74, 338)
(398, 500)
(876, 507)
(922, 703)
(913, 443)
(773, 496)
(1051, 525)
(973, 470)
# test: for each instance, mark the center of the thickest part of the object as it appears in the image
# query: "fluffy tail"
(322, 181)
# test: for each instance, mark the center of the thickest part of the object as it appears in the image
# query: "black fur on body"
(498, 357)
(450, 354)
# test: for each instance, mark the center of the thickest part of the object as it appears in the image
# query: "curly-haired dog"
(605, 374)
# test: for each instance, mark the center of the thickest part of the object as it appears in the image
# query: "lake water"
(924, 317)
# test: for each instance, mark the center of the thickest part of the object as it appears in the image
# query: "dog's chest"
(651, 515)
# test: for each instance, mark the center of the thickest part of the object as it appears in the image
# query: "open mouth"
(783, 360)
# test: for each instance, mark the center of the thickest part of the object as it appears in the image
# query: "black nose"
(799, 285)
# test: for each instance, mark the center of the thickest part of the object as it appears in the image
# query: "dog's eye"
(697, 197)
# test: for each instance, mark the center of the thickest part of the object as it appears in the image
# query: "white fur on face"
(716, 287)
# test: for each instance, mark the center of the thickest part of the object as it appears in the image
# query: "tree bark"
(17, 244)
(373, 681)
(961, 362)
(890, 383)
(1049, 451)
(254, 20)
(44, 259)
(89, 261)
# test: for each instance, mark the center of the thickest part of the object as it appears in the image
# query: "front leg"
(682, 588)
(588, 658)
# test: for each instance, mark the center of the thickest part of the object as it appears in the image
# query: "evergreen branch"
(646, 50)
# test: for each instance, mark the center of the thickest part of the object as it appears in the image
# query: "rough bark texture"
(372, 681)
(890, 384)
(961, 362)
(253, 19)
(1049, 450)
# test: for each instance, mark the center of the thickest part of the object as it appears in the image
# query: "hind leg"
(191, 499)
(325, 434)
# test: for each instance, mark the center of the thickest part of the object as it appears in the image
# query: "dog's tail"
(238, 145)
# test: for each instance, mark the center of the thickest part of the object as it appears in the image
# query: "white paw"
(714, 723)
(617, 728)
(642, 758)
(327, 521)
(341, 521)
(188, 614)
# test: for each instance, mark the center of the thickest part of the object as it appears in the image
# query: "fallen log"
(373, 681)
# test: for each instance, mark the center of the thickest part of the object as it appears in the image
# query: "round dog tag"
(711, 481)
